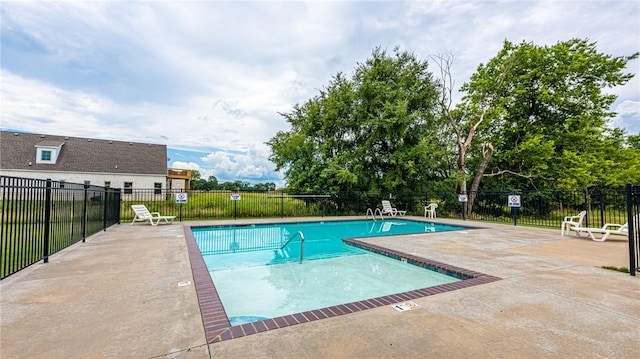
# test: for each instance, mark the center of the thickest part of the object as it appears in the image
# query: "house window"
(47, 152)
(107, 184)
(157, 188)
(128, 187)
(45, 155)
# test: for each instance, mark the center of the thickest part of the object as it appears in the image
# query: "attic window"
(47, 152)
(45, 155)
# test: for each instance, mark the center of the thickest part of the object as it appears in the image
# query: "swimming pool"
(218, 328)
(267, 259)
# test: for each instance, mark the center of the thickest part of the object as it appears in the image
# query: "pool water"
(257, 272)
(226, 247)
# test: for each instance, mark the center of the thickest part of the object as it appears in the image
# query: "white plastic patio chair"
(430, 210)
(142, 214)
(607, 230)
(388, 209)
(570, 222)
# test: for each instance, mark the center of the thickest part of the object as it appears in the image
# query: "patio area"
(128, 293)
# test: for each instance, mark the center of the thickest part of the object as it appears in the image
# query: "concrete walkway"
(122, 294)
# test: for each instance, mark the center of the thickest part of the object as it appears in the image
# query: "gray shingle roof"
(50, 143)
(17, 150)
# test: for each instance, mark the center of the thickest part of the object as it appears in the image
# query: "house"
(116, 164)
(178, 179)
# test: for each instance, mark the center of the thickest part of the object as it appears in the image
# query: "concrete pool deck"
(122, 294)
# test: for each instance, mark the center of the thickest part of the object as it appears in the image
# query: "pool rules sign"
(181, 198)
(514, 202)
(235, 197)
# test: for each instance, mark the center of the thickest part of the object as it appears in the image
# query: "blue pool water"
(257, 273)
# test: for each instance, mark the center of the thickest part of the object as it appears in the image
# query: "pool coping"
(218, 328)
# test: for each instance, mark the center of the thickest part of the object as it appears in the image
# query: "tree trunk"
(473, 191)
(461, 162)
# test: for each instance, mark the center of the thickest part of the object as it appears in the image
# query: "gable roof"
(18, 152)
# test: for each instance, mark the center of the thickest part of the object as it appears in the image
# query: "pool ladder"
(298, 233)
(373, 213)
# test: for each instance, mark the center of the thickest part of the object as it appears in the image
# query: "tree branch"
(501, 172)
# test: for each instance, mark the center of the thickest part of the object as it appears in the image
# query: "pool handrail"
(298, 233)
(373, 213)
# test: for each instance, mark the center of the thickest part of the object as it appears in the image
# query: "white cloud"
(628, 116)
(203, 123)
(205, 173)
(252, 165)
(49, 107)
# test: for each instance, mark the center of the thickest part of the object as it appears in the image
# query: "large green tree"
(376, 131)
(531, 117)
(538, 117)
(552, 128)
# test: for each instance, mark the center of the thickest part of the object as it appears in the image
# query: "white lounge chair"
(430, 210)
(571, 222)
(387, 208)
(143, 215)
(607, 230)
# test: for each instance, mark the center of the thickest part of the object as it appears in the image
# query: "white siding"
(177, 183)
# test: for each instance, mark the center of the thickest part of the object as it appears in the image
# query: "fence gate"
(633, 209)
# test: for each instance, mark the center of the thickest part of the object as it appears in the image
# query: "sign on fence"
(514, 200)
(181, 197)
(235, 196)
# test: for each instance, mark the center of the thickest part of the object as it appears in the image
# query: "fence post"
(282, 206)
(464, 205)
(585, 195)
(633, 236)
(84, 214)
(47, 221)
(104, 212)
(118, 202)
(602, 207)
(426, 199)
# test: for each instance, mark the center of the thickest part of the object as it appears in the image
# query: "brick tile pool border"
(216, 324)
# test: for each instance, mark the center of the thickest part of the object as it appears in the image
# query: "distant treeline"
(210, 184)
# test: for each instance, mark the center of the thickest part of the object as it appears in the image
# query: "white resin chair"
(143, 215)
(607, 230)
(387, 208)
(571, 222)
(430, 210)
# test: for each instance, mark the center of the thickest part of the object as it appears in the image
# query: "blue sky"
(209, 78)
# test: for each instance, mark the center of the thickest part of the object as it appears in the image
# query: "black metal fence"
(41, 217)
(633, 206)
(546, 208)
(537, 208)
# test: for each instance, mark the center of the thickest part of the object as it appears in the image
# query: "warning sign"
(181, 197)
(514, 200)
(403, 307)
(235, 196)
(463, 198)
